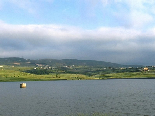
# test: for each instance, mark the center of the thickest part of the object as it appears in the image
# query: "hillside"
(20, 69)
(58, 63)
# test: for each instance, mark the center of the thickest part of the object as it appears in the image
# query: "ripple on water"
(119, 97)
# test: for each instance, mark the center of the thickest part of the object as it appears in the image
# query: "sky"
(117, 31)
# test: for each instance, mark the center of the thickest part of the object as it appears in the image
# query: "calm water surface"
(120, 97)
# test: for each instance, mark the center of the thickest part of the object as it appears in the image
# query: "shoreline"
(135, 78)
(75, 79)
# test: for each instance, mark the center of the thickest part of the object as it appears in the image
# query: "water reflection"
(125, 97)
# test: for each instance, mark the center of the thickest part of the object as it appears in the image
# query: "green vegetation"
(19, 69)
(8, 73)
(17, 73)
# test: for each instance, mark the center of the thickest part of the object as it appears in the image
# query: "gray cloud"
(119, 45)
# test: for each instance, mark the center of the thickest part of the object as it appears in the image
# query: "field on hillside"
(8, 73)
(17, 73)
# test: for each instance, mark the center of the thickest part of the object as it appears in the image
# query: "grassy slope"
(130, 75)
(8, 73)
(16, 74)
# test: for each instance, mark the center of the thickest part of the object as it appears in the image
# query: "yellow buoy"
(23, 85)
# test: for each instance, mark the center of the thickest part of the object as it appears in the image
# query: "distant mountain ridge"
(63, 62)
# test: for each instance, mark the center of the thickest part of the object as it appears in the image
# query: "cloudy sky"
(118, 31)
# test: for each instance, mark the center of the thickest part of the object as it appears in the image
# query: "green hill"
(59, 63)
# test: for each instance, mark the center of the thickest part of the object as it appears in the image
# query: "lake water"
(118, 97)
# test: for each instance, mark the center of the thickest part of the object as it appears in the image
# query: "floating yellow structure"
(146, 69)
(23, 85)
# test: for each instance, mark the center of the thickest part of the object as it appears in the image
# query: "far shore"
(68, 80)
(135, 78)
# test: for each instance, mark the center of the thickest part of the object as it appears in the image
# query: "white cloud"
(140, 12)
(132, 40)
(55, 41)
(132, 13)
(140, 19)
(137, 14)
